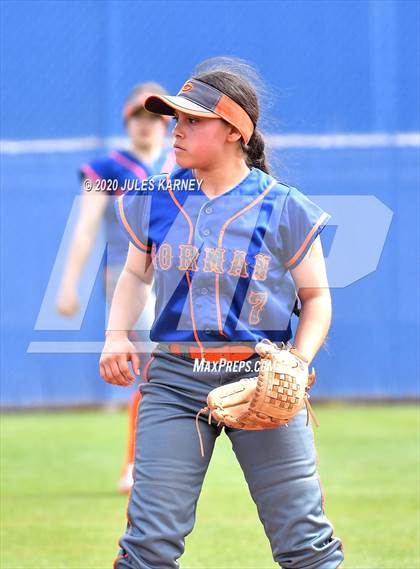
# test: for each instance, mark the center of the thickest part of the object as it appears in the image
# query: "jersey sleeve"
(99, 169)
(132, 212)
(300, 224)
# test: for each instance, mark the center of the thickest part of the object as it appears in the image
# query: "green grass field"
(59, 508)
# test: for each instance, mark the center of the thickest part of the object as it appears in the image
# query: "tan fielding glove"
(268, 401)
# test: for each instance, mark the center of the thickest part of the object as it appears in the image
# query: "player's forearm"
(130, 297)
(80, 250)
(91, 212)
(314, 323)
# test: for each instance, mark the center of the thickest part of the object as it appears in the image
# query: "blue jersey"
(222, 265)
(118, 170)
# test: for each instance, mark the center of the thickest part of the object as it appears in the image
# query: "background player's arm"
(311, 282)
(130, 297)
(92, 209)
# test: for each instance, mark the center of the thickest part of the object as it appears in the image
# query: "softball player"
(229, 249)
(103, 180)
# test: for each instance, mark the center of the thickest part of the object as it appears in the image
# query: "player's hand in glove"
(113, 365)
(268, 401)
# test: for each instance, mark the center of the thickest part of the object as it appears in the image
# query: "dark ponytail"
(255, 152)
(231, 77)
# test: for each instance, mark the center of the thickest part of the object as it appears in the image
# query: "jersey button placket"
(203, 299)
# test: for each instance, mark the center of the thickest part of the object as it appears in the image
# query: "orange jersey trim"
(220, 244)
(133, 236)
(190, 236)
(298, 253)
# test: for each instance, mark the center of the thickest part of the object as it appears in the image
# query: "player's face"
(199, 142)
(146, 129)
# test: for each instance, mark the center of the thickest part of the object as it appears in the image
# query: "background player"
(145, 156)
(228, 259)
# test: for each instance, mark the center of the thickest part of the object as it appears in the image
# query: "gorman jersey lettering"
(213, 261)
(222, 265)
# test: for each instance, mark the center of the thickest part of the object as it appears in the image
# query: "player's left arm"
(310, 278)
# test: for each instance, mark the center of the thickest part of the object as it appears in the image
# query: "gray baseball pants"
(279, 465)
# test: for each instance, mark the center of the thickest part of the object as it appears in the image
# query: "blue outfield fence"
(343, 121)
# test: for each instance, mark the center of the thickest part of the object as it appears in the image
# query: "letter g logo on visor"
(187, 87)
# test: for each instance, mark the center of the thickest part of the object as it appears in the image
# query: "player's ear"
(233, 134)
